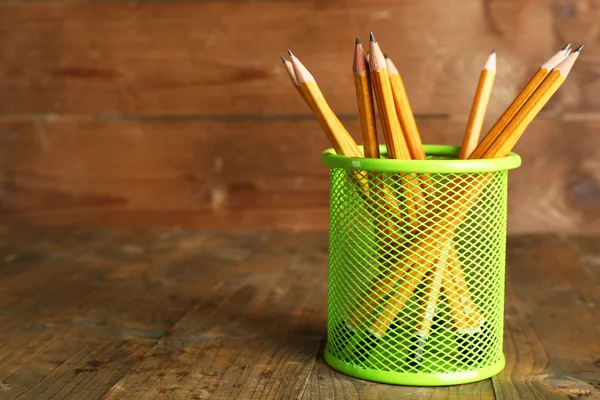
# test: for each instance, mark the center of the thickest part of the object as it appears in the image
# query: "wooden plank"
(118, 314)
(552, 329)
(247, 175)
(221, 57)
(257, 338)
(79, 308)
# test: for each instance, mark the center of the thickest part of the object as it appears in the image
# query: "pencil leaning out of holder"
(418, 233)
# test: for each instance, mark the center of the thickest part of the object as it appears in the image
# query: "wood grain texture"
(552, 281)
(221, 57)
(252, 174)
(258, 339)
(78, 307)
(158, 314)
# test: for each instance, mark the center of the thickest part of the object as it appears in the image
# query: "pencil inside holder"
(416, 294)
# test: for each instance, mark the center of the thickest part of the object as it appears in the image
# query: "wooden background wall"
(180, 113)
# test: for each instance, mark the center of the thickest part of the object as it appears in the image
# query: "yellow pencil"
(480, 103)
(404, 111)
(518, 102)
(380, 80)
(338, 136)
(509, 136)
(364, 101)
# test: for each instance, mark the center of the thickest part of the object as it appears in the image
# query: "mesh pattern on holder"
(416, 270)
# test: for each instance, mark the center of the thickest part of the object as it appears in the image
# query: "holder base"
(415, 378)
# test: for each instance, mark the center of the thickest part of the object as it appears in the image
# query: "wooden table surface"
(174, 314)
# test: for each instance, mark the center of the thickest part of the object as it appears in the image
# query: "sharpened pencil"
(479, 108)
(518, 102)
(338, 136)
(365, 103)
(509, 136)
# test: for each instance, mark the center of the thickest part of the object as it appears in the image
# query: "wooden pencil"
(467, 316)
(470, 140)
(290, 70)
(338, 136)
(410, 131)
(386, 204)
(428, 309)
(518, 102)
(479, 107)
(405, 113)
(392, 133)
(395, 141)
(509, 136)
(364, 101)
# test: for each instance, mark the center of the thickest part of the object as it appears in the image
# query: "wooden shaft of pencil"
(428, 306)
(469, 314)
(410, 281)
(380, 81)
(416, 205)
(337, 134)
(379, 287)
(394, 139)
(478, 110)
(366, 110)
(365, 102)
(509, 113)
(405, 114)
(480, 102)
(414, 198)
(517, 103)
(452, 294)
(512, 132)
(395, 142)
(457, 285)
(333, 128)
(411, 133)
(366, 113)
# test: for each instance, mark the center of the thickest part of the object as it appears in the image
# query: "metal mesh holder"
(416, 267)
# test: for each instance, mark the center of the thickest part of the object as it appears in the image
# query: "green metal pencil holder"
(416, 267)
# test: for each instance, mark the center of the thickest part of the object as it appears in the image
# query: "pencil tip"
(386, 55)
(372, 38)
(578, 49)
(357, 40)
(283, 58)
(290, 53)
(494, 51)
(567, 46)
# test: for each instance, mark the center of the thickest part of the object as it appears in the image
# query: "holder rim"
(512, 161)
